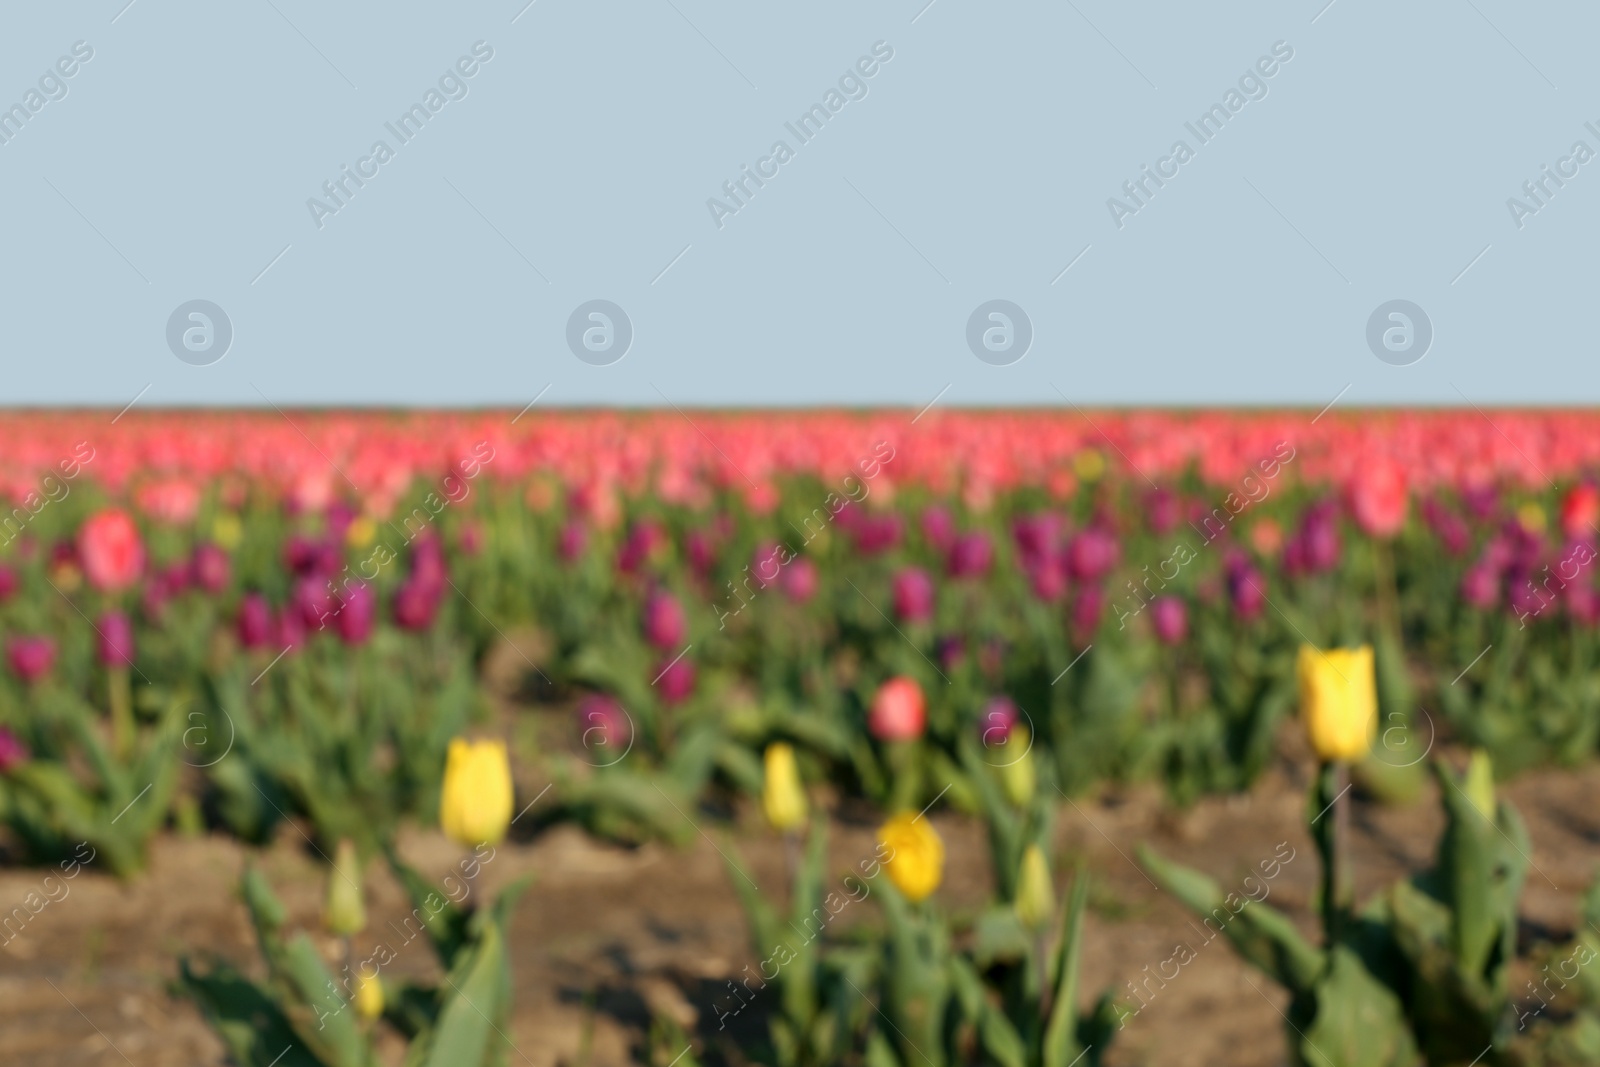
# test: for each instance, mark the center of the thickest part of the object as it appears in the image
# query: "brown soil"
(609, 936)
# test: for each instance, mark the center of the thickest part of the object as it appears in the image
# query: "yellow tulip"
(1036, 896)
(783, 798)
(1532, 517)
(1089, 464)
(1479, 783)
(345, 913)
(1339, 700)
(1018, 777)
(361, 532)
(916, 855)
(475, 800)
(368, 997)
(227, 529)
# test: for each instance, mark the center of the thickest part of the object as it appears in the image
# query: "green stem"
(121, 696)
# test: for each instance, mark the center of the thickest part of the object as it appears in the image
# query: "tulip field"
(877, 738)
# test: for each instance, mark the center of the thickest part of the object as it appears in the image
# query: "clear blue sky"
(975, 163)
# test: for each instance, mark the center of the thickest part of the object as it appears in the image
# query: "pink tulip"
(110, 550)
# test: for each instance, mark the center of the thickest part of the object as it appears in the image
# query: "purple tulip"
(938, 528)
(766, 563)
(1086, 611)
(31, 657)
(877, 533)
(1482, 501)
(1480, 586)
(255, 621)
(355, 618)
(116, 640)
(302, 554)
(13, 751)
(951, 652)
(640, 545)
(291, 631)
(1524, 597)
(1049, 580)
(1163, 510)
(210, 567)
(1583, 603)
(1245, 587)
(313, 601)
(1036, 537)
(799, 580)
(999, 718)
(427, 563)
(415, 604)
(971, 556)
(913, 594)
(676, 680)
(1170, 616)
(702, 552)
(665, 623)
(574, 539)
(8, 583)
(1092, 553)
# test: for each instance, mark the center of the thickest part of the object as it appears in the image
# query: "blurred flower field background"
(358, 632)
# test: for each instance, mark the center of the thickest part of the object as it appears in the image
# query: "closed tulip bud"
(1036, 895)
(116, 640)
(916, 855)
(1479, 784)
(475, 798)
(346, 912)
(913, 595)
(898, 711)
(783, 797)
(368, 997)
(1339, 700)
(1017, 775)
(255, 621)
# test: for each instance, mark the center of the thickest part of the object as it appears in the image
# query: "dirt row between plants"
(610, 936)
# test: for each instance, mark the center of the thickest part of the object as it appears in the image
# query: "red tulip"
(110, 550)
(1580, 510)
(898, 712)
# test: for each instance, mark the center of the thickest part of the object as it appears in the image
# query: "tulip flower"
(799, 580)
(255, 621)
(1378, 497)
(31, 657)
(1018, 778)
(475, 797)
(1479, 784)
(916, 855)
(110, 550)
(898, 711)
(913, 595)
(676, 680)
(664, 621)
(1092, 553)
(607, 731)
(1169, 616)
(574, 539)
(783, 796)
(13, 751)
(416, 603)
(345, 912)
(999, 718)
(971, 556)
(1035, 903)
(115, 647)
(210, 567)
(367, 997)
(8, 583)
(1580, 510)
(355, 618)
(1339, 701)
(938, 528)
